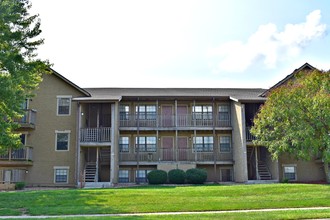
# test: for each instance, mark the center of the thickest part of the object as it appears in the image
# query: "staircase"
(90, 172)
(249, 153)
(263, 171)
(105, 155)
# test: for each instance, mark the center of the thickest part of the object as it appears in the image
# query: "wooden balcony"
(28, 120)
(22, 156)
(172, 155)
(91, 136)
(165, 121)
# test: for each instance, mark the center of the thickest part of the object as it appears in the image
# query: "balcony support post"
(215, 141)
(9, 154)
(78, 128)
(27, 152)
(137, 146)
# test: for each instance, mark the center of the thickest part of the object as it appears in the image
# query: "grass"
(171, 199)
(275, 215)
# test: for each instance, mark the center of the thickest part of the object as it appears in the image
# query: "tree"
(20, 70)
(296, 119)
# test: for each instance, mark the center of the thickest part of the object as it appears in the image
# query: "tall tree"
(20, 69)
(295, 119)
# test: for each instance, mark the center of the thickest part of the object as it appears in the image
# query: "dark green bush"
(176, 176)
(196, 176)
(20, 185)
(157, 177)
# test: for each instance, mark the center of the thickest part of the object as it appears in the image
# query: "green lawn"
(166, 198)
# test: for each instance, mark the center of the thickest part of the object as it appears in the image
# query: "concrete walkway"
(161, 213)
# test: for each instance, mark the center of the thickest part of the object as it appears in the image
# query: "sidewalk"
(161, 213)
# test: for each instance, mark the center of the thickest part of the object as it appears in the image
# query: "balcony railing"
(249, 136)
(24, 153)
(97, 135)
(28, 119)
(168, 155)
(188, 120)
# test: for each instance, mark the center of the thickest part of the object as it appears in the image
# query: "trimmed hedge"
(196, 176)
(157, 177)
(20, 185)
(176, 176)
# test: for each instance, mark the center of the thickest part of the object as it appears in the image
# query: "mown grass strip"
(166, 199)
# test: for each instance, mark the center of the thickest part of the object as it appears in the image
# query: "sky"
(183, 43)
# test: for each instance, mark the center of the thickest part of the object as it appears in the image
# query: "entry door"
(183, 148)
(183, 116)
(167, 116)
(7, 176)
(167, 144)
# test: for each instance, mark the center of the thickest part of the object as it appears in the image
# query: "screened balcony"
(187, 120)
(171, 155)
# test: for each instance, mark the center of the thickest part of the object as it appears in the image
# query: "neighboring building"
(103, 136)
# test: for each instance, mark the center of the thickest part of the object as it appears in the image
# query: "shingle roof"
(305, 67)
(69, 82)
(237, 94)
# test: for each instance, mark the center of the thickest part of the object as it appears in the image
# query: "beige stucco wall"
(307, 171)
(272, 166)
(42, 138)
(239, 142)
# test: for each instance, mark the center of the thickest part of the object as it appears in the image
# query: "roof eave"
(70, 83)
(288, 77)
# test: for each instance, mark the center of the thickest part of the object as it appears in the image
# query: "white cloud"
(268, 45)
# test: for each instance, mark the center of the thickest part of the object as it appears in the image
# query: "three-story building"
(99, 137)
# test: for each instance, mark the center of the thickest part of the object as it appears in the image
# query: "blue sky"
(187, 43)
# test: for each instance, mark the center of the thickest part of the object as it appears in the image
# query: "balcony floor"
(95, 144)
(15, 163)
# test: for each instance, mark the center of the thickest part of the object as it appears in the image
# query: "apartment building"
(99, 137)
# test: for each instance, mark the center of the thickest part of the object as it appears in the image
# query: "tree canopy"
(295, 119)
(20, 69)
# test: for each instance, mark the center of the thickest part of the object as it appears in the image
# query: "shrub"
(176, 176)
(196, 176)
(20, 185)
(157, 177)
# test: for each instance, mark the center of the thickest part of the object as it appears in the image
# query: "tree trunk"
(326, 171)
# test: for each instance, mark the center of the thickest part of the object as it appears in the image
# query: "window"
(203, 144)
(63, 105)
(124, 144)
(146, 112)
(61, 174)
(290, 172)
(124, 112)
(224, 116)
(23, 139)
(146, 144)
(25, 104)
(202, 112)
(226, 175)
(141, 176)
(62, 140)
(123, 176)
(225, 144)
